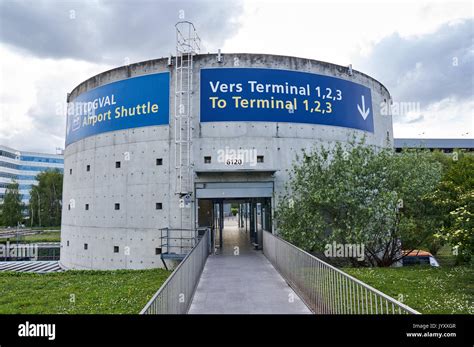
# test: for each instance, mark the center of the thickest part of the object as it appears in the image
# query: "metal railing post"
(323, 287)
(176, 293)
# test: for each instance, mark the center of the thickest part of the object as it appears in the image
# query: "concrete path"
(244, 283)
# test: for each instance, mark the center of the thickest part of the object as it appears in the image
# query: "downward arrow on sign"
(363, 112)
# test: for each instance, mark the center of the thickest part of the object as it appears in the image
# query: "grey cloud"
(111, 31)
(47, 114)
(34, 140)
(423, 68)
(416, 119)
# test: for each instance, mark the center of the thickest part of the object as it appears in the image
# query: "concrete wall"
(139, 183)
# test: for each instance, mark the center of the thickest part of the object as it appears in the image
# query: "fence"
(324, 288)
(175, 295)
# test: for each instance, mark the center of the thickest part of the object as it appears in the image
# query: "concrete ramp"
(246, 283)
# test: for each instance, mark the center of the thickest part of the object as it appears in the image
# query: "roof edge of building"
(434, 142)
(13, 150)
(164, 60)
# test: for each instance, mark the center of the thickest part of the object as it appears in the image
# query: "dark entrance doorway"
(250, 201)
(253, 215)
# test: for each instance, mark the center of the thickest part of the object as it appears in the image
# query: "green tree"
(453, 200)
(438, 217)
(46, 199)
(359, 194)
(12, 206)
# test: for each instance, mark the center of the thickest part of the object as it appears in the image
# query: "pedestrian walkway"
(243, 283)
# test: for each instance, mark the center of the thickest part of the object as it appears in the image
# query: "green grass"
(47, 236)
(45, 228)
(95, 292)
(33, 228)
(425, 289)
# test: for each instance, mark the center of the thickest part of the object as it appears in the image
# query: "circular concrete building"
(158, 148)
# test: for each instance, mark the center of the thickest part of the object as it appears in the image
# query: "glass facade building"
(22, 167)
(444, 145)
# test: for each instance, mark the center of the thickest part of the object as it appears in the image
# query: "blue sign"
(269, 95)
(130, 103)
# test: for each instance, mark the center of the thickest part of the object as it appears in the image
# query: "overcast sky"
(422, 51)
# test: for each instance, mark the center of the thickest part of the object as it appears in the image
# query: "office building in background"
(22, 167)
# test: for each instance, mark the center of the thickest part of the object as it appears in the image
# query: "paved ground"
(244, 283)
(31, 266)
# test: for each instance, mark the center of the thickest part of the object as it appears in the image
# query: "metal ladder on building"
(187, 45)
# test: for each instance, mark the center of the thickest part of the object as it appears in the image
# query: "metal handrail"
(325, 288)
(176, 293)
(167, 239)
